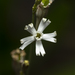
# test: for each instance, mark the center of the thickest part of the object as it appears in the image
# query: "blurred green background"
(59, 58)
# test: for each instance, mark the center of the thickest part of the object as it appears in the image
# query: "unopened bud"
(26, 62)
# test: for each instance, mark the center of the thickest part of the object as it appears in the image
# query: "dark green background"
(59, 58)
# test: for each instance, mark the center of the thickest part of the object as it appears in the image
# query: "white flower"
(38, 35)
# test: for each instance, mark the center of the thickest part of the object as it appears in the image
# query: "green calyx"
(45, 2)
(35, 5)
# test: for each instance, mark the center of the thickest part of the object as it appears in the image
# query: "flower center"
(38, 35)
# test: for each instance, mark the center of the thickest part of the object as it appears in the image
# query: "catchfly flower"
(38, 35)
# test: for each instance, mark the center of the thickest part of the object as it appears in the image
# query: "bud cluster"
(19, 63)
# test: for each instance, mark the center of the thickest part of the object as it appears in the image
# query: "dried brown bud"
(18, 51)
(18, 64)
(15, 57)
(18, 55)
(23, 53)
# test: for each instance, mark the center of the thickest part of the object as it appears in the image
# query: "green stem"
(32, 17)
(30, 53)
(21, 71)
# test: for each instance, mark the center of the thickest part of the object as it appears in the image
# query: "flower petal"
(51, 40)
(27, 43)
(43, 24)
(30, 28)
(50, 37)
(26, 39)
(39, 48)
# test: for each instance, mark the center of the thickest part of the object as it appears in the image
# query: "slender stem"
(21, 73)
(20, 58)
(32, 17)
(30, 53)
(21, 65)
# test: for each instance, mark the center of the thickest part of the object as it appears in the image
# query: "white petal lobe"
(43, 24)
(51, 40)
(49, 35)
(26, 43)
(39, 48)
(26, 39)
(30, 28)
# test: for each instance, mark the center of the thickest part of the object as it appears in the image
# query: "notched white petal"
(48, 21)
(55, 33)
(51, 40)
(37, 51)
(23, 40)
(43, 24)
(26, 27)
(37, 54)
(43, 54)
(50, 37)
(44, 19)
(26, 43)
(30, 28)
(55, 40)
(40, 48)
(31, 25)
